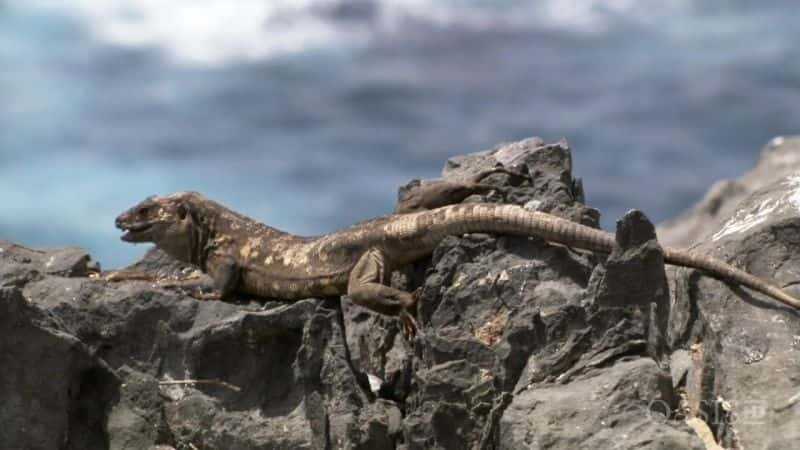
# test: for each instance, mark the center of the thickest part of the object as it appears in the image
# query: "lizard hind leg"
(368, 287)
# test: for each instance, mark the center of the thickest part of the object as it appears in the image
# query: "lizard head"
(165, 219)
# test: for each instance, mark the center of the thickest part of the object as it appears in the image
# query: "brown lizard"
(245, 256)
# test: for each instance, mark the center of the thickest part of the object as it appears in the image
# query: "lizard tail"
(719, 268)
(511, 219)
(434, 225)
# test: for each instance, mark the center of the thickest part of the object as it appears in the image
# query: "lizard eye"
(143, 211)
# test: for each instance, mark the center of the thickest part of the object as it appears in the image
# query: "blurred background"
(308, 114)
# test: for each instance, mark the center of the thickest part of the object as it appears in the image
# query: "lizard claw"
(200, 295)
(409, 325)
(123, 275)
(196, 292)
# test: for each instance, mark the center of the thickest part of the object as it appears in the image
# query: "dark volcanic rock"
(621, 406)
(605, 381)
(272, 376)
(24, 264)
(56, 394)
(523, 344)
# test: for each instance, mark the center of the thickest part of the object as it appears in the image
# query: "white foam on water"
(213, 32)
(209, 32)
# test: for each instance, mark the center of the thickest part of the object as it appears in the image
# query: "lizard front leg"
(194, 287)
(224, 272)
(367, 287)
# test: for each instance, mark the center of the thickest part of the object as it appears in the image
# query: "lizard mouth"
(134, 233)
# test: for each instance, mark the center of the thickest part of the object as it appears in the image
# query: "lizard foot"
(202, 295)
(123, 275)
(192, 288)
(199, 294)
(409, 325)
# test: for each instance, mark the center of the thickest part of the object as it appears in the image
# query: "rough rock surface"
(524, 344)
(745, 375)
(779, 159)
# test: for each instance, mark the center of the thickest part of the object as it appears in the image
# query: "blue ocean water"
(308, 114)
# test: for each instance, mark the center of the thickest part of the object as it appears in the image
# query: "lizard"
(244, 256)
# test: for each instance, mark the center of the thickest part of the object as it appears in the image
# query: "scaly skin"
(242, 255)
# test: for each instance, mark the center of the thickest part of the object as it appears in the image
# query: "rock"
(622, 406)
(680, 364)
(550, 165)
(157, 263)
(603, 372)
(462, 167)
(634, 277)
(452, 403)
(634, 274)
(779, 158)
(136, 420)
(255, 390)
(745, 367)
(523, 344)
(378, 349)
(29, 264)
(56, 393)
(491, 304)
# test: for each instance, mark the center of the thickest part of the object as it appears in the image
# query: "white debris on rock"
(374, 383)
(746, 220)
(794, 183)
